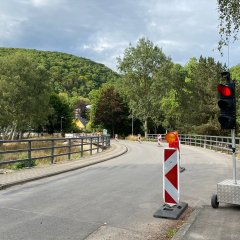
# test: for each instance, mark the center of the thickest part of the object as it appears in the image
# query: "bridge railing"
(218, 143)
(29, 150)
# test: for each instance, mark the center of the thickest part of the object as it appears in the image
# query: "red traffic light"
(224, 90)
(227, 105)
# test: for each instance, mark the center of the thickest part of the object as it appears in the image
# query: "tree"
(229, 12)
(235, 75)
(24, 94)
(144, 74)
(80, 103)
(60, 118)
(235, 72)
(200, 109)
(111, 112)
(67, 73)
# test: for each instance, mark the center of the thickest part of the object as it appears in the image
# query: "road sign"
(171, 176)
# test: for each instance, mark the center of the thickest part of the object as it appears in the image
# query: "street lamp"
(132, 123)
(61, 123)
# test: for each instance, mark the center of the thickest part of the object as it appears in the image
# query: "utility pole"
(61, 124)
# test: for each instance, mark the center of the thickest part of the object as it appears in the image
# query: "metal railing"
(154, 137)
(29, 150)
(218, 143)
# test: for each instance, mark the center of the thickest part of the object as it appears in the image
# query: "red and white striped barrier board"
(171, 176)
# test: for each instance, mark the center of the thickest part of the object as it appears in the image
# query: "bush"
(131, 138)
(23, 164)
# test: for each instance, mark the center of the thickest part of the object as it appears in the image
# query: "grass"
(135, 138)
(62, 149)
(171, 233)
(131, 138)
(22, 164)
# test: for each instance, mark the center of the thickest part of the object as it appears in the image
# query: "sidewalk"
(207, 223)
(26, 175)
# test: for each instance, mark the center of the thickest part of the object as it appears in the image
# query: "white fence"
(218, 143)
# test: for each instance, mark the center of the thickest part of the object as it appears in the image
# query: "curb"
(86, 164)
(185, 227)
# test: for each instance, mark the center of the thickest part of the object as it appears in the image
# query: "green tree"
(80, 103)
(111, 111)
(235, 75)
(167, 105)
(229, 12)
(68, 73)
(200, 110)
(235, 72)
(60, 117)
(144, 70)
(24, 94)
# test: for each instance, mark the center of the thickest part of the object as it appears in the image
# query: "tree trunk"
(14, 130)
(21, 135)
(5, 132)
(28, 134)
(12, 133)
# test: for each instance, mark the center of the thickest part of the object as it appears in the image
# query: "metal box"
(228, 192)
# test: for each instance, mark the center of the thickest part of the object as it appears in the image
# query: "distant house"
(79, 121)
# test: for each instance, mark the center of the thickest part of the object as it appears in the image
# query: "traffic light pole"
(228, 191)
(234, 156)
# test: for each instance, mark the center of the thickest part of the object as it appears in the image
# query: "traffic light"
(227, 103)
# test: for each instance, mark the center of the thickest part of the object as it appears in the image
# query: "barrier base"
(171, 212)
(182, 169)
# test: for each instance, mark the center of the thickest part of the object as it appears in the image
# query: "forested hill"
(68, 73)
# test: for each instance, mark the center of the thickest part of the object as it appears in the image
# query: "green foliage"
(110, 111)
(144, 70)
(23, 164)
(60, 117)
(68, 73)
(41, 89)
(235, 72)
(169, 95)
(80, 103)
(24, 93)
(229, 12)
(94, 96)
(29, 77)
(171, 233)
(200, 99)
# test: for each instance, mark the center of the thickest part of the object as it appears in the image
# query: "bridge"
(116, 199)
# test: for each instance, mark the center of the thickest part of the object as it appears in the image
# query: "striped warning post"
(171, 176)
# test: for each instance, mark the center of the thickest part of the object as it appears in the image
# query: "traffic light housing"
(227, 103)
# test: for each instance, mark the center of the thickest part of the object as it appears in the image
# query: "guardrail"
(218, 143)
(28, 150)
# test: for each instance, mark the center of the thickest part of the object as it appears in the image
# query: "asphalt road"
(111, 200)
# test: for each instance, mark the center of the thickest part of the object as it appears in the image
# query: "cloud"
(41, 3)
(10, 28)
(102, 30)
(101, 44)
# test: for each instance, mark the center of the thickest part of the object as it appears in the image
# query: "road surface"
(115, 199)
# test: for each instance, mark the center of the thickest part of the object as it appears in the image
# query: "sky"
(101, 30)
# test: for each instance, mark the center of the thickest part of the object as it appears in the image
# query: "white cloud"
(44, 3)
(101, 30)
(10, 27)
(100, 45)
